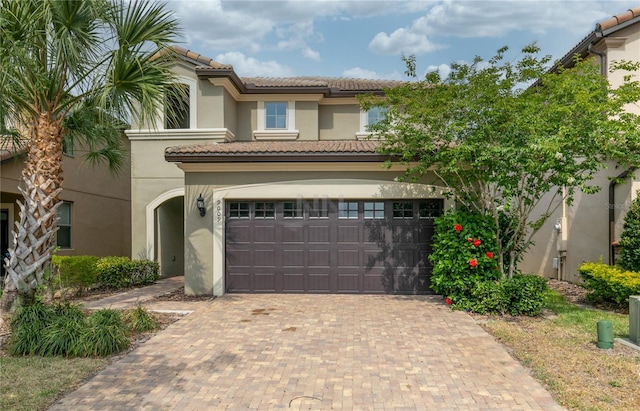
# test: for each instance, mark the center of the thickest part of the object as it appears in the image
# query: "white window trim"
(364, 122)
(262, 133)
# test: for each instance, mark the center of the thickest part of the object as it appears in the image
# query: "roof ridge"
(207, 61)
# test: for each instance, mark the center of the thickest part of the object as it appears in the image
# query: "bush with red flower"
(463, 249)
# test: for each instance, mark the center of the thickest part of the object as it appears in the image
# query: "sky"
(367, 38)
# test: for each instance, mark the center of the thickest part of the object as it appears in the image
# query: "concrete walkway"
(130, 299)
(316, 352)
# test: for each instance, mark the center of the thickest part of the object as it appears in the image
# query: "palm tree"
(72, 70)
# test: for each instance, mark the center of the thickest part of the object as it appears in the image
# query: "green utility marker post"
(605, 334)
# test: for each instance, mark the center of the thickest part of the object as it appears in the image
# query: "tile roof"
(342, 84)
(255, 150)
(10, 148)
(618, 19)
(199, 58)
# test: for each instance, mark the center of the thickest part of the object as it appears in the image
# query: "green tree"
(630, 238)
(72, 70)
(510, 138)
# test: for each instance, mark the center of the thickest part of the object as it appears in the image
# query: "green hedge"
(609, 283)
(121, 272)
(77, 271)
(520, 295)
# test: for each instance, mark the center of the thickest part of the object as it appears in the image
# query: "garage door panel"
(374, 282)
(241, 234)
(349, 258)
(319, 234)
(348, 283)
(319, 282)
(293, 258)
(264, 282)
(349, 234)
(239, 282)
(374, 234)
(404, 234)
(293, 234)
(264, 258)
(264, 234)
(318, 258)
(238, 257)
(293, 282)
(404, 258)
(373, 258)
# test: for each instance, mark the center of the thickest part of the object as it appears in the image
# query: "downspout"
(603, 59)
(612, 210)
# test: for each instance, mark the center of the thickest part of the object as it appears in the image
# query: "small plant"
(106, 334)
(609, 283)
(140, 319)
(630, 238)
(28, 325)
(77, 272)
(121, 272)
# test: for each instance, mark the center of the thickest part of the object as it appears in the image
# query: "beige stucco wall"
(339, 122)
(101, 204)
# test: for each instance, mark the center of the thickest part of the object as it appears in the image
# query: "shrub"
(519, 295)
(79, 272)
(463, 254)
(113, 272)
(140, 319)
(28, 324)
(106, 334)
(630, 238)
(121, 272)
(609, 283)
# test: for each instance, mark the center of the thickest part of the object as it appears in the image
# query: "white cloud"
(358, 72)
(442, 69)
(250, 67)
(311, 54)
(402, 41)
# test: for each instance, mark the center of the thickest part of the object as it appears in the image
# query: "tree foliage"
(511, 139)
(75, 71)
(630, 238)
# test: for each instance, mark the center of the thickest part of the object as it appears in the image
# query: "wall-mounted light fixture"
(558, 225)
(200, 205)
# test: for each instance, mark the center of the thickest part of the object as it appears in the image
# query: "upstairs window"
(275, 115)
(375, 115)
(177, 110)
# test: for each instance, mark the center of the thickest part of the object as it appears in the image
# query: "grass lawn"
(33, 383)
(561, 351)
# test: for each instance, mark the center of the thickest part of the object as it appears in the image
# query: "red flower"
(476, 243)
(470, 240)
(457, 227)
(473, 262)
(448, 301)
(489, 254)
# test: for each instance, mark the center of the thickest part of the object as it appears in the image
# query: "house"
(589, 229)
(294, 196)
(95, 216)
(272, 185)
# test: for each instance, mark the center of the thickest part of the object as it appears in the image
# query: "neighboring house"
(95, 217)
(295, 198)
(590, 228)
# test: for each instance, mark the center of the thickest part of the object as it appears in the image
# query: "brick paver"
(316, 352)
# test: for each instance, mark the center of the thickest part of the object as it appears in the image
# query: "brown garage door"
(329, 246)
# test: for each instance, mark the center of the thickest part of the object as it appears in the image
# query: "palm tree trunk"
(34, 236)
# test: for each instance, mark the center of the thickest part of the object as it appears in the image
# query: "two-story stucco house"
(271, 185)
(295, 199)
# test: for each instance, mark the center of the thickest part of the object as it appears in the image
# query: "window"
(348, 209)
(239, 210)
(431, 209)
(374, 210)
(177, 115)
(265, 210)
(319, 209)
(67, 146)
(64, 225)
(293, 209)
(275, 115)
(375, 115)
(403, 210)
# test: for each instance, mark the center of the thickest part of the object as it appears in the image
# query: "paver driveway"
(340, 352)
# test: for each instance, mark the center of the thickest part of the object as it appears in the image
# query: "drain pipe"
(603, 59)
(612, 209)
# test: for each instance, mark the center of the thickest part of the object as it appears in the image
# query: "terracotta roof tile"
(277, 147)
(342, 84)
(618, 19)
(199, 58)
(10, 148)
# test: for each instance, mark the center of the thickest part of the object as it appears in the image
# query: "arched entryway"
(165, 232)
